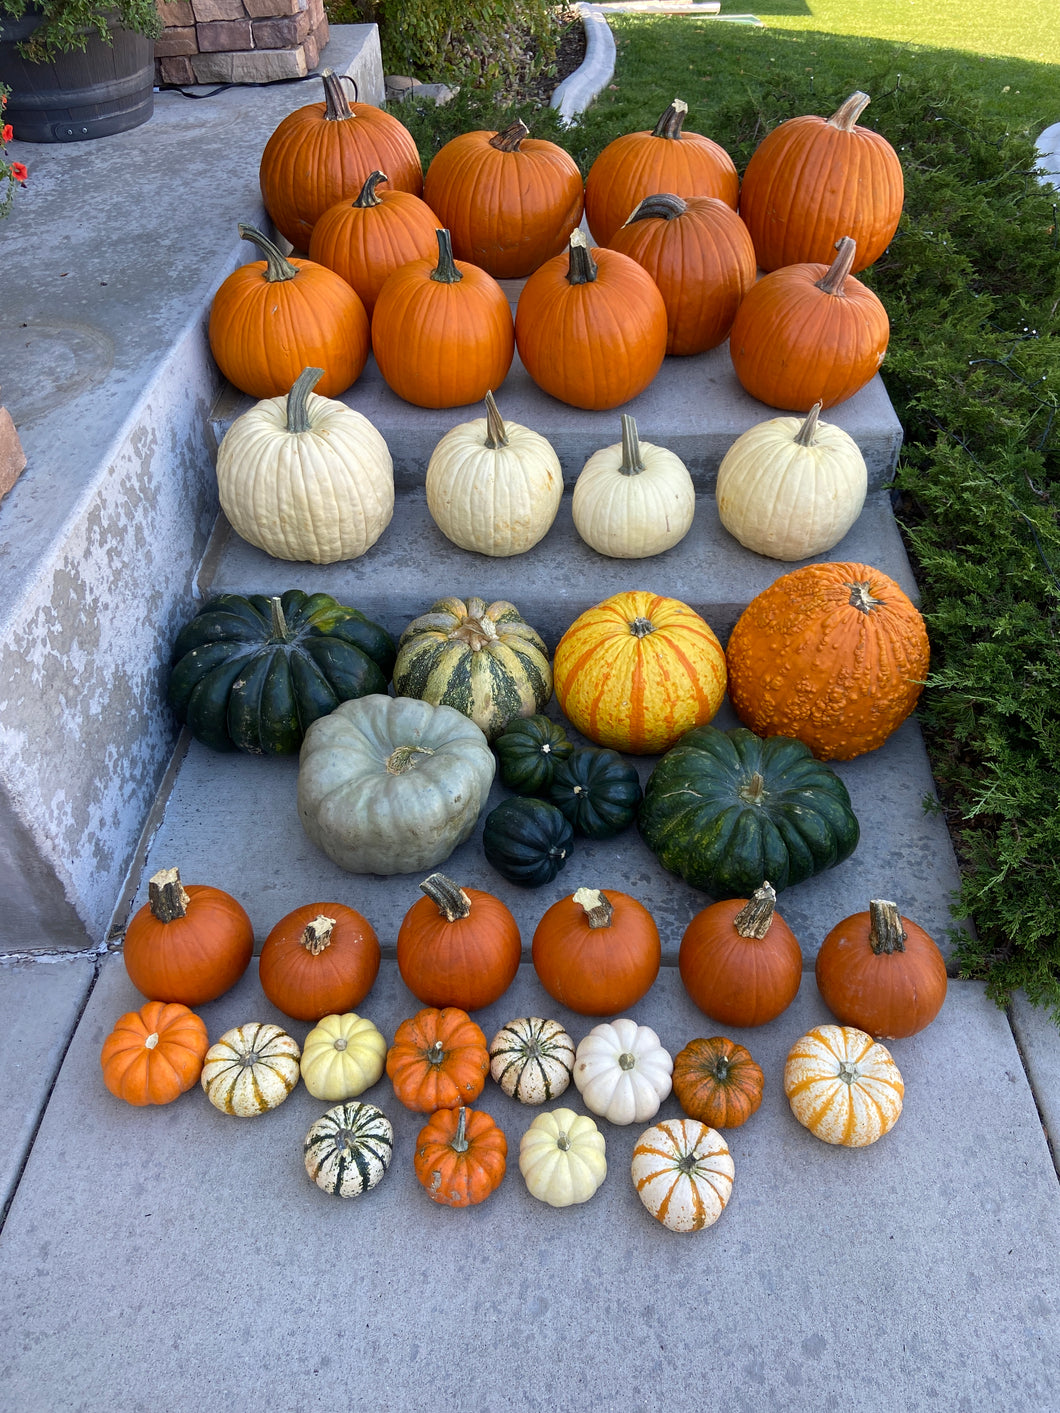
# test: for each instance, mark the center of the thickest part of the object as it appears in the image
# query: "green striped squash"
(481, 659)
(348, 1150)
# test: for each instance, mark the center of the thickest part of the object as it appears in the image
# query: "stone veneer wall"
(238, 41)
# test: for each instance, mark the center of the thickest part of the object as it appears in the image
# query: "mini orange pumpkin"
(740, 961)
(461, 1156)
(597, 953)
(717, 1082)
(187, 944)
(458, 946)
(319, 960)
(439, 1059)
(155, 1054)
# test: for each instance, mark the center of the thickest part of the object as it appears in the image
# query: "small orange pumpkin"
(319, 960)
(155, 1054)
(461, 1156)
(458, 946)
(187, 944)
(717, 1082)
(439, 1059)
(597, 953)
(739, 960)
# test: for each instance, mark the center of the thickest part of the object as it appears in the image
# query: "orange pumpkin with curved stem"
(155, 1054)
(188, 944)
(319, 960)
(740, 961)
(461, 1156)
(458, 946)
(439, 1059)
(597, 953)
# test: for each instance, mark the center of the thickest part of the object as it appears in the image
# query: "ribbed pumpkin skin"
(793, 344)
(348, 1150)
(532, 1059)
(717, 1082)
(812, 180)
(703, 262)
(155, 1054)
(637, 164)
(804, 661)
(439, 1059)
(308, 986)
(735, 980)
(468, 962)
(251, 1069)
(843, 1086)
(639, 693)
(683, 1173)
(451, 1174)
(527, 840)
(597, 971)
(312, 161)
(191, 959)
(891, 994)
(507, 211)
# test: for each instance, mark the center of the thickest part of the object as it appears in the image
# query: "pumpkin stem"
(336, 104)
(886, 934)
(626, 1061)
(669, 124)
(458, 1142)
(847, 114)
(298, 399)
(756, 916)
(752, 791)
(641, 627)
(662, 205)
(277, 265)
(848, 1071)
(582, 267)
(833, 280)
(862, 599)
(720, 1068)
(451, 899)
(279, 622)
(687, 1163)
(367, 196)
(563, 1142)
(510, 138)
(598, 908)
(403, 758)
(476, 627)
(317, 935)
(632, 461)
(166, 895)
(496, 432)
(807, 433)
(445, 272)
(151, 1041)
(436, 1054)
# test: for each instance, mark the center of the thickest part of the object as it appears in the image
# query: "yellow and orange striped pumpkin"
(638, 671)
(683, 1172)
(843, 1086)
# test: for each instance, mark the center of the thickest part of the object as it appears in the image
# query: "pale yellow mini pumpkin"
(306, 477)
(683, 1172)
(791, 487)
(494, 486)
(251, 1069)
(633, 499)
(843, 1086)
(562, 1158)
(342, 1057)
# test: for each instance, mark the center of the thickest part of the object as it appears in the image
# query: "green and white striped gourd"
(348, 1150)
(532, 1059)
(251, 1069)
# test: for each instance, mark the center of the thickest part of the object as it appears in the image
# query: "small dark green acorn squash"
(251, 674)
(526, 840)
(597, 790)
(527, 752)
(727, 810)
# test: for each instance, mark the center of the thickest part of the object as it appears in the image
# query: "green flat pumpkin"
(526, 840)
(527, 753)
(597, 790)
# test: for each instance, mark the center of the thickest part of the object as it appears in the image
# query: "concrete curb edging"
(579, 89)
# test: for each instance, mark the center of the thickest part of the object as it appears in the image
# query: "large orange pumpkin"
(276, 316)
(323, 153)
(188, 944)
(700, 255)
(812, 180)
(442, 331)
(457, 946)
(809, 333)
(597, 953)
(638, 671)
(155, 1054)
(740, 961)
(832, 654)
(666, 158)
(319, 960)
(591, 327)
(508, 200)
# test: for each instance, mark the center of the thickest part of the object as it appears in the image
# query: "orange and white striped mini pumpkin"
(683, 1172)
(638, 671)
(843, 1086)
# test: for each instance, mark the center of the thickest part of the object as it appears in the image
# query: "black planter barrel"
(107, 89)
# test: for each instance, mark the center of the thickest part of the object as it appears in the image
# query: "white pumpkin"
(342, 1057)
(622, 1071)
(306, 477)
(348, 1150)
(633, 499)
(683, 1173)
(562, 1157)
(494, 486)
(791, 487)
(843, 1086)
(532, 1059)
(251, 1069)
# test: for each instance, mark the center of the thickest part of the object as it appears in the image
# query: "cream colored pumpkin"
(843, 1086)
(532, 1059)
(683, 1172)
(251, 1069)
(306, 477)
(348, 1150)
(791, 487)
(633, 499)
(342, 1057)
(494, 486)
(622, 1071)
(562, 1157)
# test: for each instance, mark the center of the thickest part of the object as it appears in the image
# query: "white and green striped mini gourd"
(348, 1150)
(251, 1069)
(532, 1059)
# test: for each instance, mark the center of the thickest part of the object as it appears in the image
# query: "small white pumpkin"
(633, 499)
(532, 1059)
(683, 1172)
(306, 477)
(622, 1071)
(843, 1086)
(348, 1150)
(494, 486)
(251, 1069)
(791, 487)
(562, 1157)
(342, 1057)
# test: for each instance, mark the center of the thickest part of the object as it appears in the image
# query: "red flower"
(7, 134)
(19, 172)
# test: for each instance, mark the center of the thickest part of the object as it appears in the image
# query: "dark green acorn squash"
(526, 840)
(251, 674)
(597, 790)
(727, 810)
(527, 752)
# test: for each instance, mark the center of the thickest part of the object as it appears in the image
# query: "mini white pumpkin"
(532, 1059)
(791, 487)
(562, 1157)
(306, 477)
(348, 1150)
(633, 499)
(494, 486)
(342, 1057)
(622, 1071)
(251, 1069)
(683, 1172)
